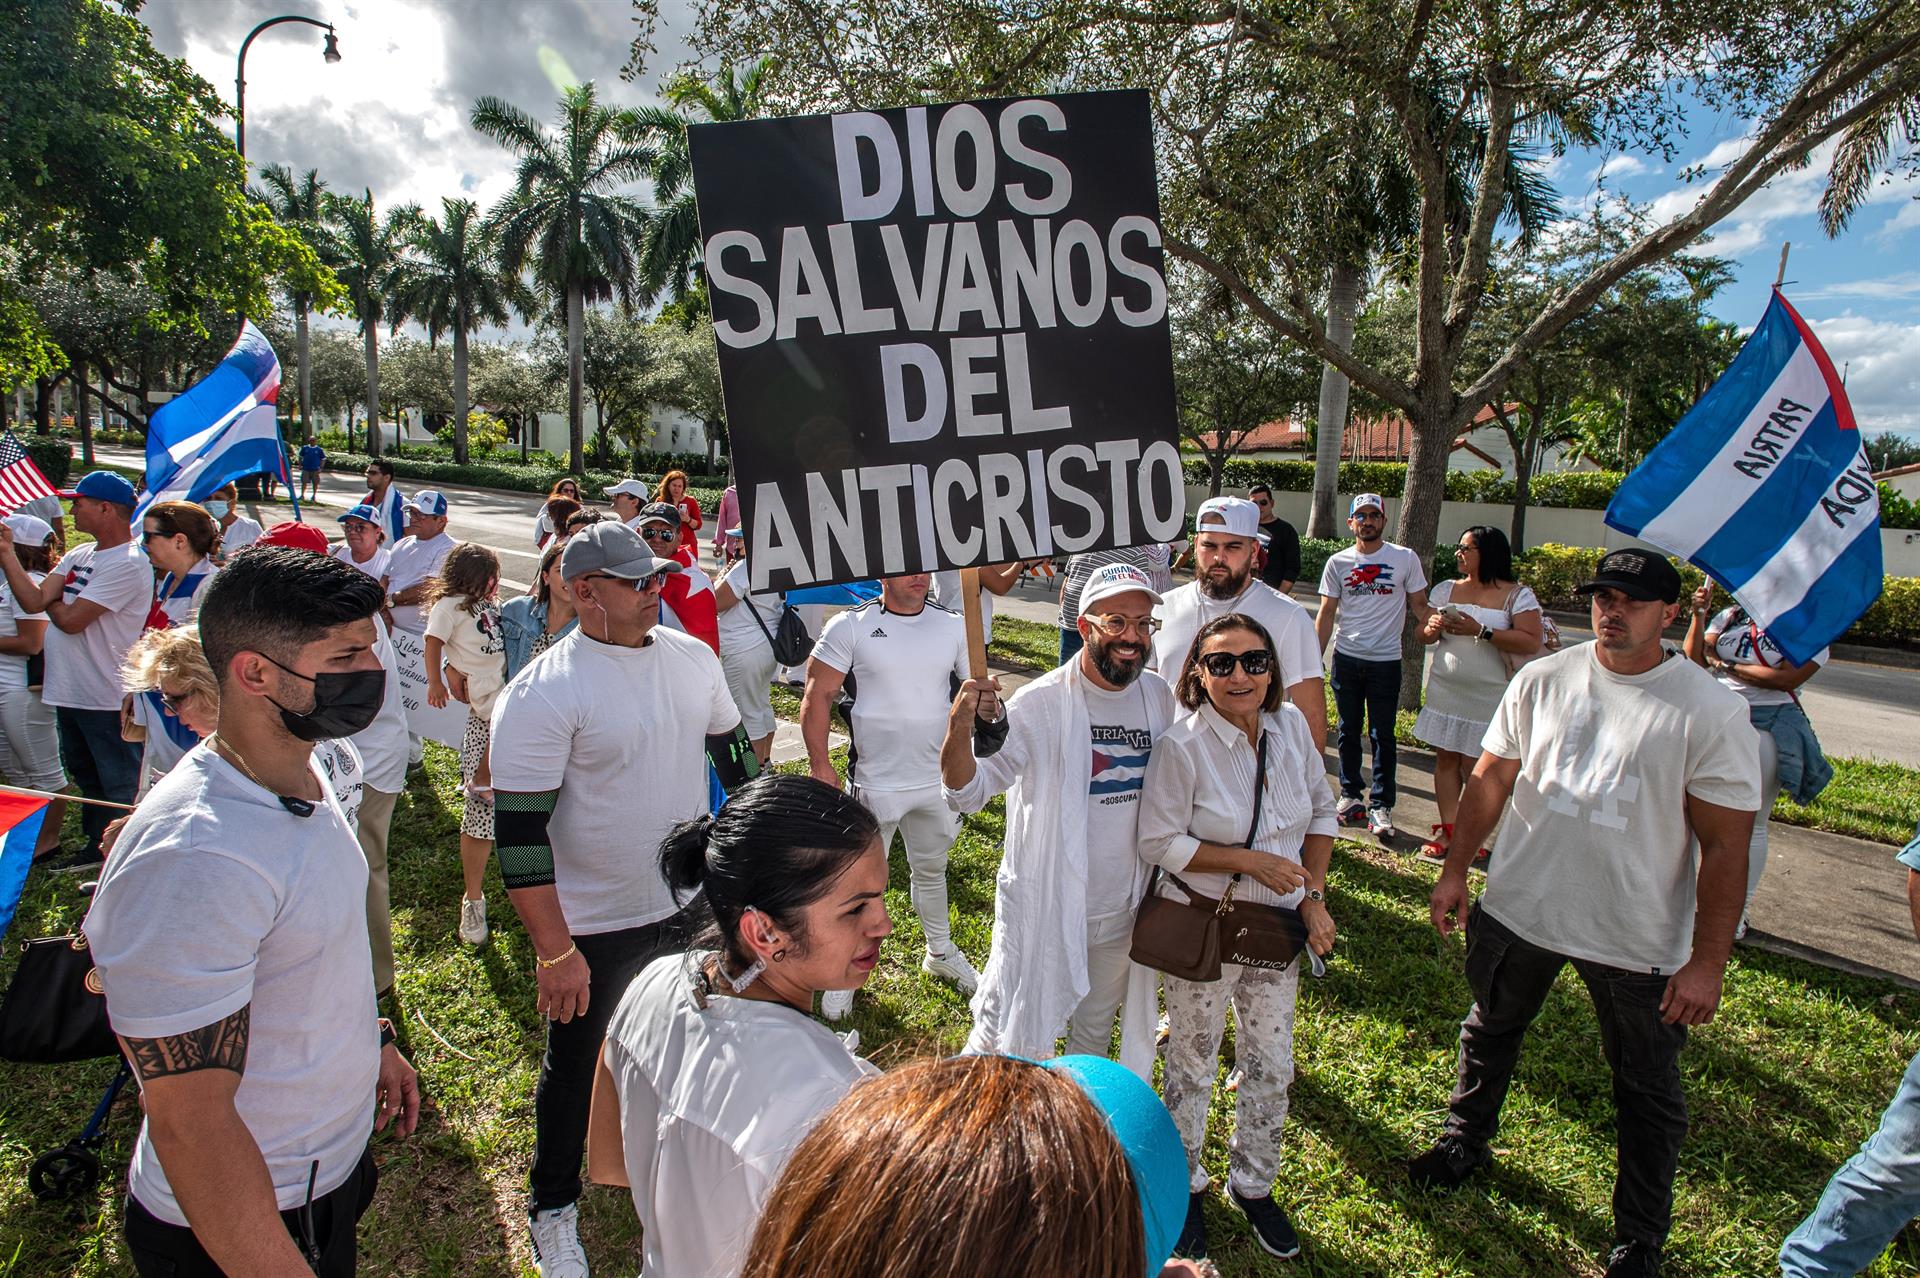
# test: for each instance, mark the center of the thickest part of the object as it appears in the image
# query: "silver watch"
(1315, 894)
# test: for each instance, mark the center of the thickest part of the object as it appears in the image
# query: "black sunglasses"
(1220, 664)
(659, 534)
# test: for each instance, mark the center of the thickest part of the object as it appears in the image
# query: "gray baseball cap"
(612, 548)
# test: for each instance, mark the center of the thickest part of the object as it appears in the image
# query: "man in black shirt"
(1282, 567)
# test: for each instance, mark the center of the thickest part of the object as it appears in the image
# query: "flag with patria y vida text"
(1765, 487)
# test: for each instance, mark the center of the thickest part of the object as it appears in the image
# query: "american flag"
(20, 480)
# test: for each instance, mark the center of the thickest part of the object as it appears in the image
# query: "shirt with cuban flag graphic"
(1122, 744)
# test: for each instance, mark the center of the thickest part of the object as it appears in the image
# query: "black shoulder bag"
(791, 643)
(54, 1010)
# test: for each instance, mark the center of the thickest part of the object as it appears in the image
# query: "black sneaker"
(1634, 1260)
(1193, 1235)
(1448, 1163)
(1271, 1228)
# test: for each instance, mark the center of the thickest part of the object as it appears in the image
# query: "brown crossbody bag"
(1191, 938)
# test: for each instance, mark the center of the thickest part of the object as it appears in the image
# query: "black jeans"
(564, 1095)
(99, 762)
(161, 1250)
(1510, 978)
(1370, 689)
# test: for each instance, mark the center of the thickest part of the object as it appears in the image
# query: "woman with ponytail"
(714, 1068)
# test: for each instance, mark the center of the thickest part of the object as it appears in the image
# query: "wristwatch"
(1486, 632)
(1315, 894)
(386, 1031)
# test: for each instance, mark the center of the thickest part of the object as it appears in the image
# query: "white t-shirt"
(383, 744)
(1122, 734)
(1372, 590)
(621, 734)
(1734, 645)
(474, 645)
(13, 668)
(738, 629)
(375, 567)
(409, 563)
(179, 597)
(1188, 609)
(238, 535)
(217, 898)
(83, 670)
(945, 591)
(902, 667)
(713, 1099)
(1595, 859)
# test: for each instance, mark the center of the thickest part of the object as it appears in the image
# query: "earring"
(778, 955)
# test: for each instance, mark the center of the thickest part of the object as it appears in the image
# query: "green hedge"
(54, 457)
(507, 475)
(1562, 489)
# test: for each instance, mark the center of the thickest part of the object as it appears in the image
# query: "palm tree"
(566, 217)
(299, 203)
(671, 251)
(452, 282)
(365, 252)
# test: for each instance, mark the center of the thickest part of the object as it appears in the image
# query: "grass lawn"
(1030, 645)
(1782, 1088)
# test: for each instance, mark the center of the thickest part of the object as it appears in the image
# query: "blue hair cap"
(1151, 1142)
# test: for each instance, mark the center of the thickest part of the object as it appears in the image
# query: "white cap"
(1363, 500)
(427, 502)
(1235, 516)
(630, 488)
(29, 530)
(1115, 579)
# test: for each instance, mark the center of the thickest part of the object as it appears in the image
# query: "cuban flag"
(1764, 486)
(20, 817)
(220, 429)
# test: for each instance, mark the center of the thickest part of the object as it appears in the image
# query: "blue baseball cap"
(1149, 1139)
(364, 512)
(104, 485)
(428, 502)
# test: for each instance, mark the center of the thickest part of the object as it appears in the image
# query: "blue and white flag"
(220, 429)
(1764, 486)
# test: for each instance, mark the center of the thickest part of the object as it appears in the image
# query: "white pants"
(1090, 1029)
(30, 740)
(1769, 791)
(1263, 1047)
(929, 827)
(749, 672)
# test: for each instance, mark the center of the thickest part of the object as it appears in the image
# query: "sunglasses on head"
(1220, 664)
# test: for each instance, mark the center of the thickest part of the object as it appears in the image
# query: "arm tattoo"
(221, 1045)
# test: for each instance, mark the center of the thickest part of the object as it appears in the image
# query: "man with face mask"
(598, 749)
(1226, 540)
(237, 532)
(1073, 762)
(252, 1025)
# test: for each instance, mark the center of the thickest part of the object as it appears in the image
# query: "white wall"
(1900, 548)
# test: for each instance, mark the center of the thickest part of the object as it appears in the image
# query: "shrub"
(1894, 618)
(54, 457)
(1574, 490)
(502, 473)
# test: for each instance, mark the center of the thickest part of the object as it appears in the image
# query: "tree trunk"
(459, 395)
(1344, 289)
(1420, 523)
(1216, 470)
(43, 407)
(303, 351)
(372, 343)
(576, 416)
(83, 413)
(1523, 462)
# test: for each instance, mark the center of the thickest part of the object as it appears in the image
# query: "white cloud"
(1880, 288)
(1907, 218)
(1615, 167)
(1883, 375)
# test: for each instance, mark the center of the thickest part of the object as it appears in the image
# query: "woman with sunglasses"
(181, 540)
(1237, 801)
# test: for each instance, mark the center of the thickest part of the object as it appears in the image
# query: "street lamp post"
(331, 53)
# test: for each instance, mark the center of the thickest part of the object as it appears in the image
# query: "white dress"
(1466, 675)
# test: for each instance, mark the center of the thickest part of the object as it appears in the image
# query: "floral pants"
(1263, 1046)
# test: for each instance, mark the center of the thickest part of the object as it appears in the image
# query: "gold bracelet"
(558, 959)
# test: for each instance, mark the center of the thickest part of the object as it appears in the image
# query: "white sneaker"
(1380, 823)
(835, 1004)
(556, 1243)
(952, 966)
(473, 920)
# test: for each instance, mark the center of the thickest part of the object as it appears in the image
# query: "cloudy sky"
(392, 116)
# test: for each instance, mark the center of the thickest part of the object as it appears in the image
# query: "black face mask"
(344, 703)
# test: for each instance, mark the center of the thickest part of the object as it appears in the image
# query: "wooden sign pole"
(976, 624)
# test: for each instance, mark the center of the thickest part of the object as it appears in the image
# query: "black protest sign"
(942, 334)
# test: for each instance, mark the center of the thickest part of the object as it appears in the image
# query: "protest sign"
(446, 724)
(942, 334)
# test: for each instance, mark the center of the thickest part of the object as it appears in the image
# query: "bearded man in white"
(1072, 757)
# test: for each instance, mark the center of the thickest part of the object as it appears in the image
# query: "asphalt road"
(1858, 708)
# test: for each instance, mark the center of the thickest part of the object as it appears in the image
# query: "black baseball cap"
(1640, 574)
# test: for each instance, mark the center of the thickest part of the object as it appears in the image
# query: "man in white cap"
(600, 748)
(412, 565)
(1226, 544)
(900, 657)
(1366, 592)
(627, 497)
(1073, 761)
